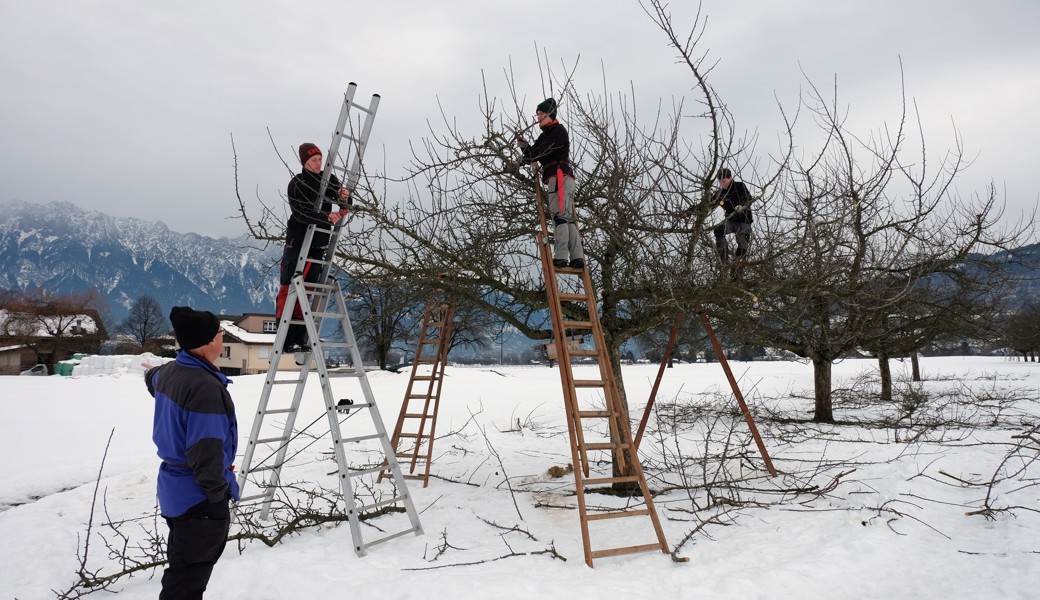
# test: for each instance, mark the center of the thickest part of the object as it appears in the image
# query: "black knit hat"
(308, 150)
(548, 106)
(193, 328)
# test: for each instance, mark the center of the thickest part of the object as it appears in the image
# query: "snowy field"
(873, 508)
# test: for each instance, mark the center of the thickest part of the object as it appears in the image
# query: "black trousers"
(197, 539)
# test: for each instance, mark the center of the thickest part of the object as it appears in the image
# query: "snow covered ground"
(858, 511)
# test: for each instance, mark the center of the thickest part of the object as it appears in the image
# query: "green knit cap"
(548, 106)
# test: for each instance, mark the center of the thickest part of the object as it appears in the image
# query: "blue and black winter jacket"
(195, 433)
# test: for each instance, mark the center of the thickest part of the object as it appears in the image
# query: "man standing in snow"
(306, 210)
(196, 435)
(552, 151)
(735, 200)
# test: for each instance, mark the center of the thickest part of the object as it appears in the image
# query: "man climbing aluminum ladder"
(315, 302)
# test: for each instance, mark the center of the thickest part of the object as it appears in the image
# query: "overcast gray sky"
(127, 106)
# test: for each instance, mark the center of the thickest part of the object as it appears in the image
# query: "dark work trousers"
(197, 539)
(297, 335)
(741, 231)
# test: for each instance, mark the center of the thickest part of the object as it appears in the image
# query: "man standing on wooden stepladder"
(305, 210)
(552, 151)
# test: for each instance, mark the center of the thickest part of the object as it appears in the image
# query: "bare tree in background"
(867, 247)
(145, 323)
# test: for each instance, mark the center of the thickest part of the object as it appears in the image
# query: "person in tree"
(306, 210)
(735, 200)
(552, 151)
(196, 435)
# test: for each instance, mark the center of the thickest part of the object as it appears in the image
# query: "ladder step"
(427, 360)
(421, 436)
(580, 352)
(390, 537)
(263, 468)
(577, 324)
(625, 550)
(601, 446)
(573, 297)
(361, 438)
(609, 480)
(423, 378)
(276, 411)
(271, 440)
(360, 472)
(410, 457)
(245, 499)
(380, 503)
(287, 381)
(589, 383)
(594, 414)
(420, 397)
(642, 512)
(417, 416)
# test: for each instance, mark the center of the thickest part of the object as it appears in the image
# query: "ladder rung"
(245, 499)
(625, 550)
(286, 381)
(361, 438)
(421, 436)
(594, 414)
(610, 480)
(577, 324)
(601, 446)
(276, 411)
(419, 458)
(420, 397)
(326, 315)
(642, 512)
(390, 537)
(380, 503)
(263, 468)
(588, 383)
(271, 440)
(360, 472)
(580, 352)
(572, 297)
(416, 416)
(423, 378)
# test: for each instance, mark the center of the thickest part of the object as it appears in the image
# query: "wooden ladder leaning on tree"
(574, 313)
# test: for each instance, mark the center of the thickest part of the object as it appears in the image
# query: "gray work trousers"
(568, 242)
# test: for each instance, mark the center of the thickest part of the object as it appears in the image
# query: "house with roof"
(30, 338)
(249, 345)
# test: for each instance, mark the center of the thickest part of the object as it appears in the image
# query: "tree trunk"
(822, 412)
(885, 370)
(915, 367)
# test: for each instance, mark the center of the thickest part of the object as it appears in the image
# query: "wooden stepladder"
(311, 304)
(417, 422)
(721, 355)
(597, 421)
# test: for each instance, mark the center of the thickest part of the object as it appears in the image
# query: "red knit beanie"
(308, 150)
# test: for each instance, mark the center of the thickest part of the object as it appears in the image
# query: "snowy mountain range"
(62, 248)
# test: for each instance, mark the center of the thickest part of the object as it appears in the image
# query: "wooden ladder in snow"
(274, 424)
(417, 422)
(597, 421)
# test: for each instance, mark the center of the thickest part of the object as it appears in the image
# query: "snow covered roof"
(48, 324)
(247, 337)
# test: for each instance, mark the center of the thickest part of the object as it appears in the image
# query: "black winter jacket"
(734, 197)
(303, 195)
(551, 150)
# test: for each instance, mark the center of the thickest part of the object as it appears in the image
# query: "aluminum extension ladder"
(274, 424)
